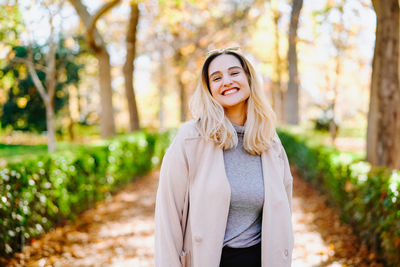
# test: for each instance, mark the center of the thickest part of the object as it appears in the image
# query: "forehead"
(222, 63)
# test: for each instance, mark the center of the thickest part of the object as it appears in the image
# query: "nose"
(227, 80)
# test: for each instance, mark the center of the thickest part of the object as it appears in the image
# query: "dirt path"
(320, 237)
(119, 232)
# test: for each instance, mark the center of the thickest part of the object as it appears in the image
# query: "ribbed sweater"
(244, 172)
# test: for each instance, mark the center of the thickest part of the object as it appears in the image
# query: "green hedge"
(368, 197)
(38, 193)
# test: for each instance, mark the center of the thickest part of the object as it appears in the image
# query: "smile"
(230, 91)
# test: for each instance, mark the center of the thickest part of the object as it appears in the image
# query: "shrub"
(38, 193)
(368, 197)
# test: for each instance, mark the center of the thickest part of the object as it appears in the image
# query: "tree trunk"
(107, 126)
(278, 93)
(383, 133)
(292, 97)
(96, 43)
(51, 133)
(161, 111)
(373, 113)
(46, 93)
(333, 130)
(182, 97)
(71, 130)
(51, 82)
(182, 92)
(129, 67)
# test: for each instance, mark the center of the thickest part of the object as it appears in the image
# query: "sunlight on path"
(119, 232)
(320, 237)
(310, 249)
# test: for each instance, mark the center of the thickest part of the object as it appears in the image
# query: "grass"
(20, 145)
(11, 152)
(14, 150)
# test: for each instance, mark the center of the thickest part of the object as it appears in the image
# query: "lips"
(230, 91)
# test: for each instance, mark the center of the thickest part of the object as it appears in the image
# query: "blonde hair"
(215, 126)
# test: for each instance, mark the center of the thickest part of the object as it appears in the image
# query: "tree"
(129, 66)
(331, 19)
(161, 90)
(383, 132)
(194, 28)
(46, 89)
(278, 92)
(339, 39)
(180, 62)
(98, 46)
(24, 108)
(292, 96)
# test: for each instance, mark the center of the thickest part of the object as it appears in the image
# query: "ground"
(120, 232)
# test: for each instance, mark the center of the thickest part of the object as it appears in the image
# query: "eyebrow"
(234, 67)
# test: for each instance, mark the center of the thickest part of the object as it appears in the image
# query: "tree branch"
(92, 26)
(32, 71)
(93, 37)
(102, 10)
(36, 66)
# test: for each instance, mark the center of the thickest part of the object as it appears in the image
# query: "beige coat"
(191, 159)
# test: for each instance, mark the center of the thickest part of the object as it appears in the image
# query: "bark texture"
(292, 96)
(383, 133)
(128, 68)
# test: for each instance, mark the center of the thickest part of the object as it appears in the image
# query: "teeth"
(230, 91)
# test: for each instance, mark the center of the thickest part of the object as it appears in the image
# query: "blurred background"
(124, 65)
(92, 92)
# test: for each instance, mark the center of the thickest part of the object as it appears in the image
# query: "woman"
(225, 189)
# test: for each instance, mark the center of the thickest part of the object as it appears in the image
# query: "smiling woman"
(225, 188)
(226, 71)
(230, 87)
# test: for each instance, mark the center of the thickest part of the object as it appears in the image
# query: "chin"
(231, 105)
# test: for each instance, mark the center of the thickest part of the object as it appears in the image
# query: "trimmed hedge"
(368, 197)
(38, 193)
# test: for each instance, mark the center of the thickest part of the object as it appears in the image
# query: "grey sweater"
(244, 172)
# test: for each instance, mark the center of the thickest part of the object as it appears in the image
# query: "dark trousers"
(241, 257)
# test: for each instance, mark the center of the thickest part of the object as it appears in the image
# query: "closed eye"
(216, 79)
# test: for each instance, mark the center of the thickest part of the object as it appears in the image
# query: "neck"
(238, 114)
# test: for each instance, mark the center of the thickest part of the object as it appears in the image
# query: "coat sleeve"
(169, 205)
(288, 179)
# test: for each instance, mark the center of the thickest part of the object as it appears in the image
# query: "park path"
(120, 232)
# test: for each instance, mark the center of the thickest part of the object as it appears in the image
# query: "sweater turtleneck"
(245, 176)
(239, 129)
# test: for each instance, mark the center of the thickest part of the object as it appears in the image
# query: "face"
(228, 82)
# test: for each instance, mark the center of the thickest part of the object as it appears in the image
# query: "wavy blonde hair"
(215, 126)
